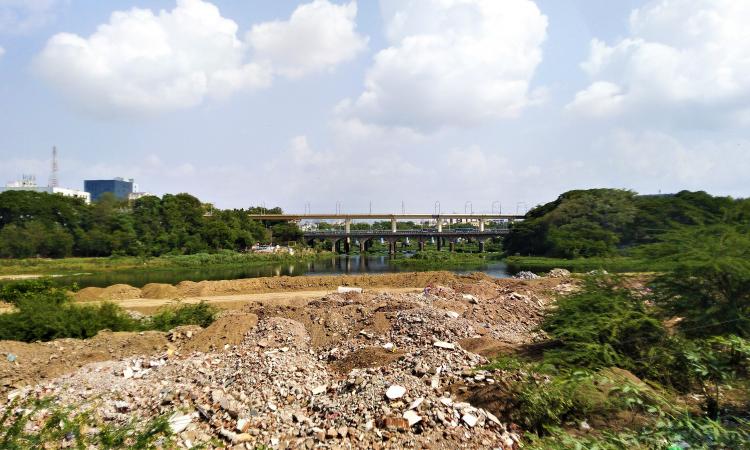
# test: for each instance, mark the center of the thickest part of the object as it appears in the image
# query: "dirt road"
(293, 298)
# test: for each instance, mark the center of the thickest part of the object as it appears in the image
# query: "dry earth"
(304, 370)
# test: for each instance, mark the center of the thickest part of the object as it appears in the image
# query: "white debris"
(347, 289)
(178, 423)
(319, 389)
(395, 392)
(470, 419)
(445, 345)
(412, 417)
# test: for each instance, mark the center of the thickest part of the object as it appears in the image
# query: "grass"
(615, 264)
(67, 266)
(63, 427)
(430, 259)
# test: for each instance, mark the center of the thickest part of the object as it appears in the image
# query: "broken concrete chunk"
(347, 289)
(178, 423)
(445, 345)
(412, 417)
(469, 419)
(395, 392)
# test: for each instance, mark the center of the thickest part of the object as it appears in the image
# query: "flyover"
(439, 233)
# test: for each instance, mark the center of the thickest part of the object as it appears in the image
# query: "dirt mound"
(366, 357)
(114, 292)
(42, 360)
(487, 347)
(89, 294)
(279, 333)
(229, 329)
(159, 290)
(275, 284)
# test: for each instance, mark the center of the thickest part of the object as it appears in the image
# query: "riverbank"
(30, 267)
(617, 264)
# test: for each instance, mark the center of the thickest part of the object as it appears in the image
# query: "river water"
(337, 265)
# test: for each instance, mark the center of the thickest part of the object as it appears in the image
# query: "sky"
(456, 105)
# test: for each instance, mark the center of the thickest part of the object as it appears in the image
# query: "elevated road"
(384, 216)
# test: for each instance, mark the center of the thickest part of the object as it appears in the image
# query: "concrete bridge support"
(394, 227)
(362, 246)
(481, 245)
(421, 245)
(451, 246)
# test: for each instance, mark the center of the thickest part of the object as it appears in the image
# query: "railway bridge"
(440, 229)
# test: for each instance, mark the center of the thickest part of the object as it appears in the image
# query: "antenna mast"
(53, 182)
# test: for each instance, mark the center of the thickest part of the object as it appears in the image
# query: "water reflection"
(342, 264)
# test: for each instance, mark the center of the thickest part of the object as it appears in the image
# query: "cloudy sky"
(416, 101)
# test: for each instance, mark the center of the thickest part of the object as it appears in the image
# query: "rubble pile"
(350, 370)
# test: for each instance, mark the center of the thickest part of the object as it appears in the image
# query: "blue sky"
(288, 103)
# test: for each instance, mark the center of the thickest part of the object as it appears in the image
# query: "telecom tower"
(53, 182)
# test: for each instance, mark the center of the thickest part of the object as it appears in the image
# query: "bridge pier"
(421, 245)
(336, 246)
(439, 242)
(451, 246)
(362, 246)
(346, 246)
(481, 245)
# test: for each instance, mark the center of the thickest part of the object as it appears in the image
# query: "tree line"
(47, 225)
(607, 222)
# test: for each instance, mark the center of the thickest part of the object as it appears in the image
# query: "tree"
(710, 285)
(286, 232)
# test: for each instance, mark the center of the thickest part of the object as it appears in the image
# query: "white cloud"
(318, 36)
(452, 63)
(680, 54)
(142, 62)
(2, 52)
(22, 16)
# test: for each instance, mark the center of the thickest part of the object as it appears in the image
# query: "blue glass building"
(119, 187)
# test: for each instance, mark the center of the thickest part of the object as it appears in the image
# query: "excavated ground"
(355, 370)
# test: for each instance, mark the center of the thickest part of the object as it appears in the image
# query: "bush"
(15, 291)
(201, 314)
(51, 315)
(604, 325)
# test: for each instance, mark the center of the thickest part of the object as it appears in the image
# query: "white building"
(28, 183)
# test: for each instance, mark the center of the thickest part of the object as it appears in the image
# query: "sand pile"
(229, 329)
(114, 292)
(160, 291)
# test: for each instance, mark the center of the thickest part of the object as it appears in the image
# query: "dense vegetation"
(686, 333)
(606, 222)
(39, 224)
(44, 312)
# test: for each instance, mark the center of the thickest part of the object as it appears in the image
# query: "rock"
(242, 425)
(121, 406)
(395, 392)
(452, 314)
(415, 404)
(445, 345)
(584, 426)
(470, 298)
(389, 346)
(319, 389)
(178, 423)
(558, 273)
(127, 373)
(412, 417)
(526, 275)
(11, 357)
(470, 419)
(347, 289)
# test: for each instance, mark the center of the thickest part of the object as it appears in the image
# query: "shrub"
(201, 314)
(603, 325)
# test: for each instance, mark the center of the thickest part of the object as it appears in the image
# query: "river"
(337, 265)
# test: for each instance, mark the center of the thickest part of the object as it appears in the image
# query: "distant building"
(28, 183)
(119, 187)
(136, 195)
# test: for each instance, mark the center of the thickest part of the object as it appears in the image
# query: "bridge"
(441, 233)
